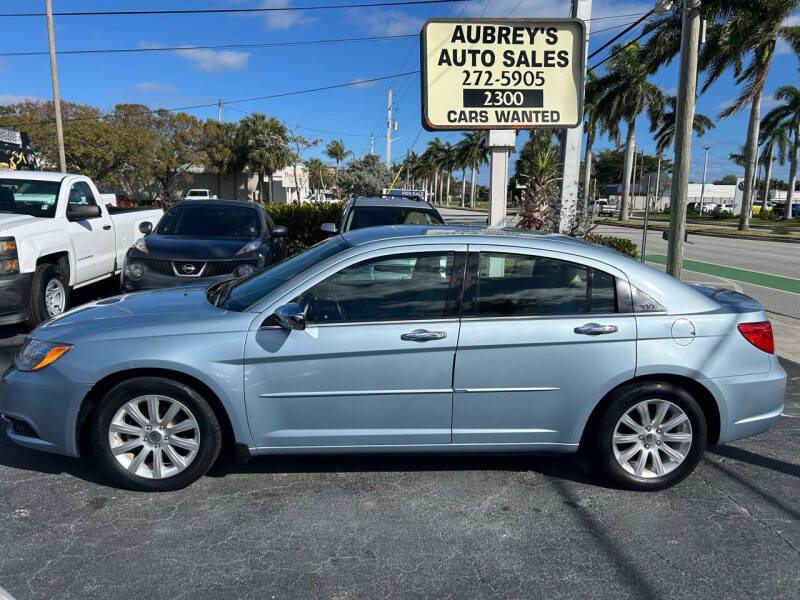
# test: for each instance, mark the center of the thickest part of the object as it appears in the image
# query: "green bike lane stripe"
(777, 282)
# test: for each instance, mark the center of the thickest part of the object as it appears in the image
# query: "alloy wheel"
(652, 438)
(55, 297)
(154, 436)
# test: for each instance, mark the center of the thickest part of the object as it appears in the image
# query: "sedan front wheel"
(155, 434)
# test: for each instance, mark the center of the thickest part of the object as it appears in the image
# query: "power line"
(617, 51)
(207, 11)
(621, 33)
(225, 102)
(253, 45)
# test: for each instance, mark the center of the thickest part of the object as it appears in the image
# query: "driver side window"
(404, 287)
(80, 194)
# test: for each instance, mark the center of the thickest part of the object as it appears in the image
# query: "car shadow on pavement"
(758, 460)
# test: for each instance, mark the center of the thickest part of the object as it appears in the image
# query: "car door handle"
(106, 227)
(595, 329)
(423, 335)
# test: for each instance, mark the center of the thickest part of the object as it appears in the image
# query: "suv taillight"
(759, 334)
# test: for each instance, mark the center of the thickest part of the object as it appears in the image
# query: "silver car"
(405, 339)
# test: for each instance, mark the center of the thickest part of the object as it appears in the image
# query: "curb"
(744, 236)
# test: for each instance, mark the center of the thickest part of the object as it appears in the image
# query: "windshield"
(375, 216)
(29, 197)
(211, 221)
(252, 289)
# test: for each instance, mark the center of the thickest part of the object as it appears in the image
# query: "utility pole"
(703, 185)
(571, 141)
(500, 143)
(219, 110)
(684, 116)
(62, 158)
(641, 172)
(658, 177)
(372, 143)
(389, 130)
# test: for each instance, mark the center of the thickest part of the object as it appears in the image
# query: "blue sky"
(189, 77)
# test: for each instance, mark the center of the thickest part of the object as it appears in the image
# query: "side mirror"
(80, 212)
(280, 231)
(145, 227)
(290, 316)
(329, 228)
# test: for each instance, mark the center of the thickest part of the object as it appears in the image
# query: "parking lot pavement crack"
(744, 510)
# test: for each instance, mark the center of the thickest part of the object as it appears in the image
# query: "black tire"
(209, 429)
(602, 447)
(46, 272)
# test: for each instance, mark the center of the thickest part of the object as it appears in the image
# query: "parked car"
(358, 213)
(726, 209)
(757, 208)
(709, 207)
(199, 194)
(57, 234)
(493, 341)
(603, 207)
(780, 209)
(204, 241)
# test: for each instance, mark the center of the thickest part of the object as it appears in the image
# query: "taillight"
(759, 334)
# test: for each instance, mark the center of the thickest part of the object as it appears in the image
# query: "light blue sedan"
(404, 339)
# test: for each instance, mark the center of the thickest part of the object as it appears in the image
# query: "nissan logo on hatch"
(188, 268)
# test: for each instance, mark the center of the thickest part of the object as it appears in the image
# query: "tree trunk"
(269, 188)
(233, 173)
(463, 186)
(626, 171)
(587, 174)
(750, 158)
(472, 188)
(261, 186)
(296, 182)
(792, 176)
(767, 177)
(447, 194)
(219, 184)
(435, 185)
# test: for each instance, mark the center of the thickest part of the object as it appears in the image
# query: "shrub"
(304, 222)
(767, 215)
(621, 245)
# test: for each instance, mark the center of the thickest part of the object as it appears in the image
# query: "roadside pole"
(658, 177)
(389, 131)
(571, 141)
(646, 217)
(500, 142)
(703, 185)
(62, 158)
(219, 110)
(684, 116)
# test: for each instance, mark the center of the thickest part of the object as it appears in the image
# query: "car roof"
(218, 202)
(402, 201)
(35, 175)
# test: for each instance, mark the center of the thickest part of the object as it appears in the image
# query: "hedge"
(621, 245)
(304, 222)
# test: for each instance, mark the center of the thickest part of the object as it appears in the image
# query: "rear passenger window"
(522, 285)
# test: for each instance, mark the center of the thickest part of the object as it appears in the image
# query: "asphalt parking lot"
(406, 527)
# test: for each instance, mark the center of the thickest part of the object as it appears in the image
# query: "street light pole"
(62, 159)
(684, 116)
(703, 185)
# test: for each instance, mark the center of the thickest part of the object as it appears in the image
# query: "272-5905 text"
(504, 78)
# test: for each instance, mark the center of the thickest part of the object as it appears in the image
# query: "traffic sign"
(502, 73)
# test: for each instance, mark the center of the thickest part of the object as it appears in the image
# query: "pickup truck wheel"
(49, 293)
(155, 434)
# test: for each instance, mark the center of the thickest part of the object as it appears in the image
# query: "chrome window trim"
(354, 393)
(506, 389)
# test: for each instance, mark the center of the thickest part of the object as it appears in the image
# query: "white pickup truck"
(57, 234)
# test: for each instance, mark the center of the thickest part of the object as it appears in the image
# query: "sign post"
(502, 75)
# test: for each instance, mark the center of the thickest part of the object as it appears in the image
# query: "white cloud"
(553, 8)
(204, 59)
(15, 99)
(152, 86)
(360, 84)
(283, 19)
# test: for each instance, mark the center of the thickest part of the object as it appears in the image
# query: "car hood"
(13, 223)
(172, 311)
(175, 247)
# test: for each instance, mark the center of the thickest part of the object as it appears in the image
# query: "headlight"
(8, 246)
(135, 271)
(141, 245)
(37, 354)
(9, 265)
(243, 270)
(251, 247)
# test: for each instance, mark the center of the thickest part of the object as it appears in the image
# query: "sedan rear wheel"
(155, 434)
(650, 436)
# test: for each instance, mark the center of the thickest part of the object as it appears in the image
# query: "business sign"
(502, 73)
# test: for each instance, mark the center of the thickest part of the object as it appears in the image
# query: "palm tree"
(217, 149)
(538, 169)
(593, 119)
(317, 175)
(624, 92)
(267, 147)
(434, 156)
(742, 38)
(772, 138)
(462, 162)
(336, 152)
(476, 153)
(449, 162)
(664, 127)
(787, 116)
